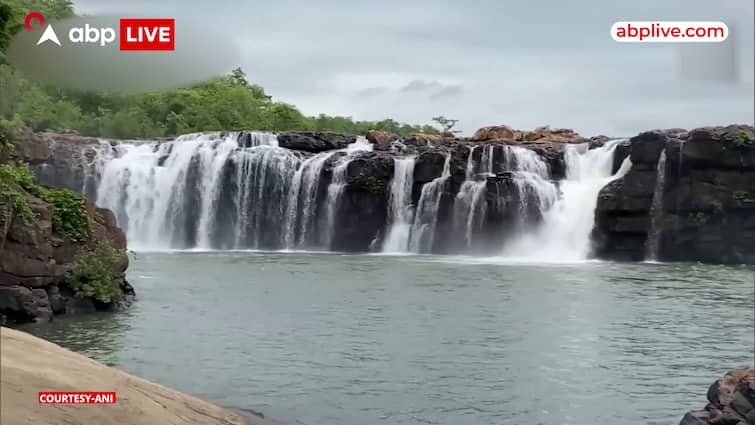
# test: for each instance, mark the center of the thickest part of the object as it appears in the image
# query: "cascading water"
(469, 205)
(302, 202)
(218, 190)
(401, 212)
(564, 234)
(243, 191)
(336, 188)
(532, 179)
(168, 195)
(426, 215)
(263, 175)
(656, 211)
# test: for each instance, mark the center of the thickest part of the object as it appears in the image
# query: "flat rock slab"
(29, 365)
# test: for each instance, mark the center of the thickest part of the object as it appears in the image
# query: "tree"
(446, 125)
(238, 76)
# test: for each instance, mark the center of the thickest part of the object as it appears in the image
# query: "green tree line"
(228, 102)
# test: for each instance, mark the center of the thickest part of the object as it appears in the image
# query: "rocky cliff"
(36, 256)
(704, 194)
(731, 400)
(463, 195)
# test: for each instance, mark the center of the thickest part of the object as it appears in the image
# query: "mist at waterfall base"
(241, 191)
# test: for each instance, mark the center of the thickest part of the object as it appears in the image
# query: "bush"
(12, 181)
(699, 218)
(97, 274)
(740, 196)
(69, 214)
(742, 140)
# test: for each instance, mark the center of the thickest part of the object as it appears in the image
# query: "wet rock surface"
(708, 198)
(314, 141)
(34, 261)
(731, 401)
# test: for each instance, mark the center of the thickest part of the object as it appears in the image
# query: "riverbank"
(30, 364)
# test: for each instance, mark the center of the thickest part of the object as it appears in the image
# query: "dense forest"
(228, 102)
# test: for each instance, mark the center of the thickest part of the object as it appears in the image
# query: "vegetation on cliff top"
(228, 102)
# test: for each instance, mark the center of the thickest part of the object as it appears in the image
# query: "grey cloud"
(370, 92)
(447, 91)
(420, 85)
(434, 89)
(481, 61)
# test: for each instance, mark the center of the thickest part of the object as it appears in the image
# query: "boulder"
(314, 141)
(731, 401)
(429, 166)
(362, 213)
(540, 135)
(553, 135)
(381, 139)
(422, 140)
(496, 132)
(21, 304)
(646, 148)
(728, 147)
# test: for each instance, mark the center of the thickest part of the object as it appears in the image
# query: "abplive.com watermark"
(669, 32)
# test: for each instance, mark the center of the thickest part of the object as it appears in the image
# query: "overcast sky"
(523, 63)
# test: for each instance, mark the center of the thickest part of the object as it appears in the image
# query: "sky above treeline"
(521, 63)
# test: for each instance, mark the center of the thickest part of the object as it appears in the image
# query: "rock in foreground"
(30, 365)
(731, 400)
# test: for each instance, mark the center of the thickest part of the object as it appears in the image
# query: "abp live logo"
(135, 33)
(148, 34)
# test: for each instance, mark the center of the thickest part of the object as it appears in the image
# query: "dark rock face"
(731, 400)
(34, 261)
(61, 160)
(708, 198)
(362, 212)
(314, 141)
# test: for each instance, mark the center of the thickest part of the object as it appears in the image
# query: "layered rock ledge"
(731, 401)
(706, 204)
(35, 260)
(29, 365)
(706, 210)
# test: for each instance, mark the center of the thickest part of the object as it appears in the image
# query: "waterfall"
(401, 212)
(426, 215)
(302, 202)
(263, 175)
(564, 234)
(336, 188)
(656, 211)
(469, 205)
(243, 191)
(194, 191)
(530, 174)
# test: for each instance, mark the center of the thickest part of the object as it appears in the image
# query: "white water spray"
(564, 234)
(426, 216)
(400, 205)
(656, 211)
